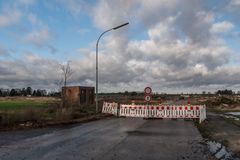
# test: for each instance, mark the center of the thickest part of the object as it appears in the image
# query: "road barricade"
(203, 114)
(164, 111)
(157, 111)
(133, 110)
(110, 108)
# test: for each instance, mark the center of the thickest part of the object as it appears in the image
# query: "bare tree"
(59, 84)
(67, 72)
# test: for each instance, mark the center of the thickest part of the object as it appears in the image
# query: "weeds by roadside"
(52, 113)
(218, 129)
(204, 129)
(232, 121)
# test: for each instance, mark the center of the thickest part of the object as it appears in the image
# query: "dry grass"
(21, 103)
(9, 118)
(22, 111)
(223, 104)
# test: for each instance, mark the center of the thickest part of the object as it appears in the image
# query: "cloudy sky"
(171, 45)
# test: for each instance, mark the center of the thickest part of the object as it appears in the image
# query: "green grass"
(205, 130)
(17, 111)
(21, 104)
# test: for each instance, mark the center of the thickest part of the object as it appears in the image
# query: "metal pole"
(96, 78)
(97, 60)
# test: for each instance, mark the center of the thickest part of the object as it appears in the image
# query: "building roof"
(86, 87)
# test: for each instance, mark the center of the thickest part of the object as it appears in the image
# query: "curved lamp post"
(115, 28)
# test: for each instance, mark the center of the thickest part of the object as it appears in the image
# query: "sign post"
(148, 94)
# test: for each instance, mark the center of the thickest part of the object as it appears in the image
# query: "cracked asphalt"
(106, 139)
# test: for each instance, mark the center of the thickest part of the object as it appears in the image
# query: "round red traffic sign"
(147, 98)
(148, 90)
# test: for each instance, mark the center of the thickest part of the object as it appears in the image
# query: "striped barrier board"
(164, 111)
(110, 108)
(158, 111)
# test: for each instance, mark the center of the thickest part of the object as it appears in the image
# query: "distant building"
(183, 96)
(77, 95)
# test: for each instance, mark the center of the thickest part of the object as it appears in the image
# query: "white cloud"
(39, 37)
(10, 17)
(164, 31)
(83, 51)
(83, 31)
(180, 51)
(222, 27)
(200, 69)
(3, 51)
(32, 70)
(232, 10)
(75, 7)
(107, 13)
(33, 19)
(234, 3)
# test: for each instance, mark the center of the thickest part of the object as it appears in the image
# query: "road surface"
(111, 138)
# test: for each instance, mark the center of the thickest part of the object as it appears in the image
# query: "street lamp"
(114, 28)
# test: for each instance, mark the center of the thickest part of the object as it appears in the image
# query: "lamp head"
(120, 26)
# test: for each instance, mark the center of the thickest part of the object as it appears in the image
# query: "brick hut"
(74, 96)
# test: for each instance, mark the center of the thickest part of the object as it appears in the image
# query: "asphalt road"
(112, 138)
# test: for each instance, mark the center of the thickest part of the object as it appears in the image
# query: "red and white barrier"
(110, 108)
(203, 114)
(133, 111)
(157, 111)
(164, 111)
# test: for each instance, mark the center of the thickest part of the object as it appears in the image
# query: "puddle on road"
(232, 115)
(220, 152)
(148, 133)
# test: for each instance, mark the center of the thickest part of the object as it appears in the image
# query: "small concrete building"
(74, 96)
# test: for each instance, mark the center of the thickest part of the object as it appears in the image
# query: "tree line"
(225, 92)
(26, 92)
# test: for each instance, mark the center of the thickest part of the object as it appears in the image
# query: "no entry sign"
(148, 90)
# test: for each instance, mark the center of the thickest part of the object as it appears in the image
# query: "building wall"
(77, 96)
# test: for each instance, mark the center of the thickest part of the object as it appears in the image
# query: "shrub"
(32, 114)
(64, 114)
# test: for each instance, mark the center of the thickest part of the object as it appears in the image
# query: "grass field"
(38, 111)
(21, 103)
(18, 110)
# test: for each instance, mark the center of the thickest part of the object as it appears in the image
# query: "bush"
(32, 115)
(64, 114)
(10, 118)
